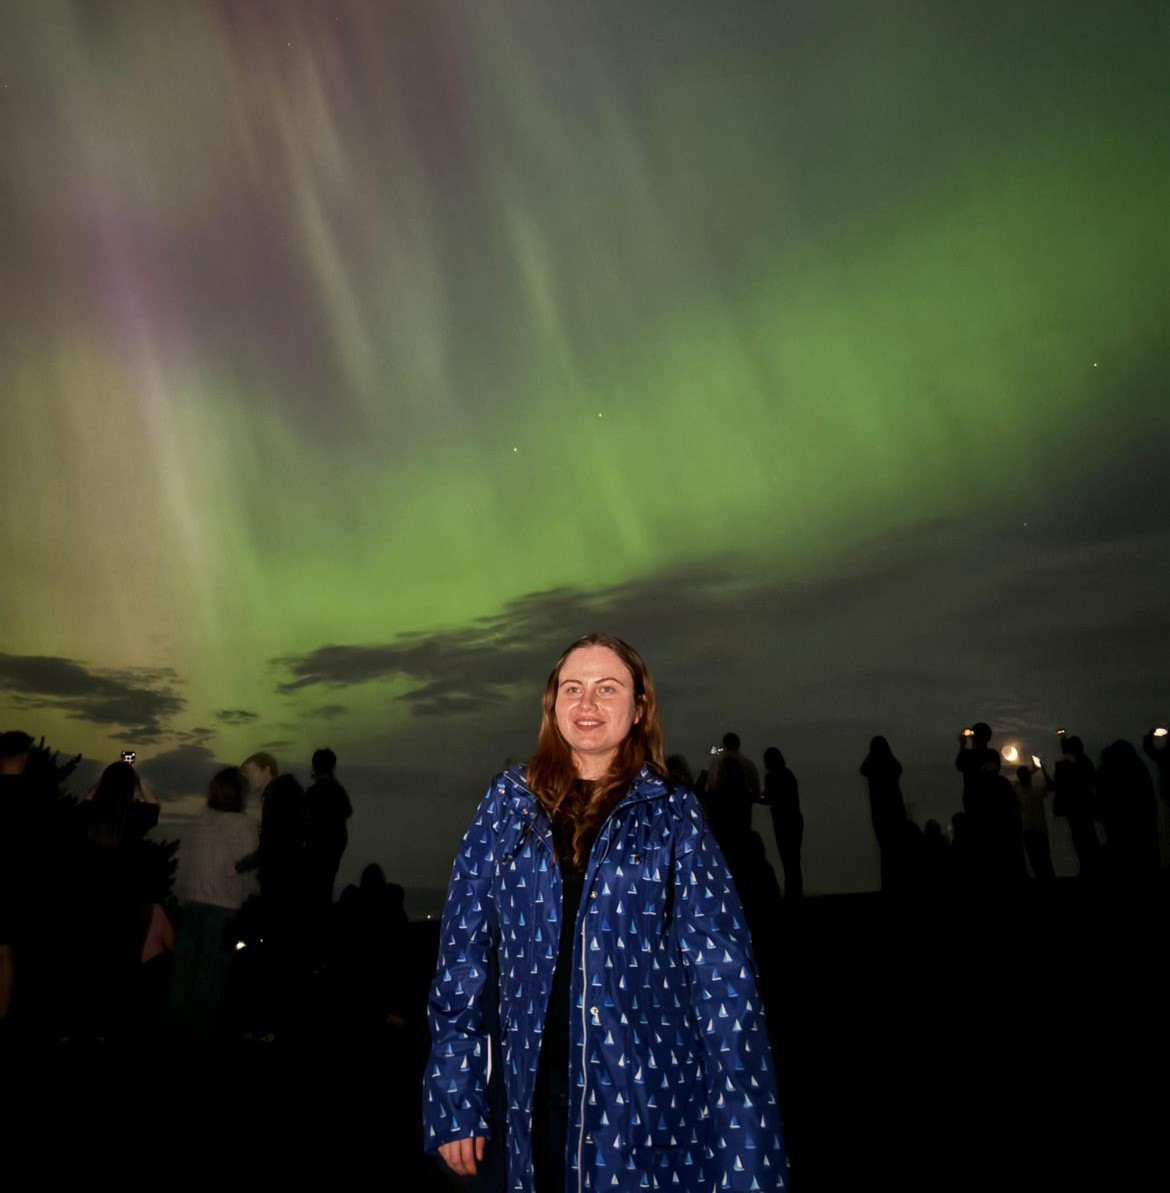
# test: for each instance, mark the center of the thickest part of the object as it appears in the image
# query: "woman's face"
(595, 707)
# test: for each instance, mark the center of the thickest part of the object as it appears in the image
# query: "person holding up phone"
(974, 748)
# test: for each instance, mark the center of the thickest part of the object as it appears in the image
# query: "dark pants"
(1088, 847)
(550, 1128)
(1039, 854)
(200, 973)
(789, 832)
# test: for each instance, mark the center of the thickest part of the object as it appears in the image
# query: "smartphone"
(1061, 732)
(1161, 731)
(129, 756)
(1036, 762)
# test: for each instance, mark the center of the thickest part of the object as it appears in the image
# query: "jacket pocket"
(667, 1090)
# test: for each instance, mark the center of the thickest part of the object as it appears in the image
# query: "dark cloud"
(465, 670)
(329, 712)
(913, 626)
(425, 703)
(183, 771)
(236, 716)
(139, 702)
(913, 635)
(200, 735)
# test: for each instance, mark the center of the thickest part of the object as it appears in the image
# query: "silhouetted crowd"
(107, 934)
(997, 839)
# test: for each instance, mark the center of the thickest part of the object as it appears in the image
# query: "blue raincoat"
(672, 1077)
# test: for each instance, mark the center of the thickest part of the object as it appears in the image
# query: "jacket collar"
(647, 785)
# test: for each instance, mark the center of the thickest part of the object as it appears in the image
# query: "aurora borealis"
(355, 356)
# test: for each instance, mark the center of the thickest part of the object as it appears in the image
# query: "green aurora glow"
(330, 323)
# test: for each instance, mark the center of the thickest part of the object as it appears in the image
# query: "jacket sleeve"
(455, 1104)
(721, 974)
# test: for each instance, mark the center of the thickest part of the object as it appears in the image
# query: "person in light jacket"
(211, 891)
(634, 1050)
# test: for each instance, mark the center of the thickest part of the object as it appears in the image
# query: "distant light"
(1161, 731)
(1036, 761)
(240, 945)
(1011, 754)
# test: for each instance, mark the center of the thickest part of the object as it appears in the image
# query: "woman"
(212, 893)
(121, 806)
(110, 888)
(634, 1048)
(887, 810)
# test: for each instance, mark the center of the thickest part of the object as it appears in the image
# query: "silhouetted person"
(282, 841)
(909, 872)
(702, 792)
(963, 852)
(327, 808)
(1129, 811)
(733, 786)
(279, 927)
(211, 892)
(140, 816)
(1074, 781)
(974, 748)
(755, 880)
(782, 795)
(1030, 796)
(39, 842)
(994, 822)
(280, 856)
(937, 869)
(110, 912)
(1157, 748)
(679, 771)
(887, 810)
(371, 928)
(259, 770)
(16, 828)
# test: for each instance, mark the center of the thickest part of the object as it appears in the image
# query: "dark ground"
(934, 1045)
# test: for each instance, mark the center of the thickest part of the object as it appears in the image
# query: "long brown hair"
(551, 774)
(226, 791)
(110, 805)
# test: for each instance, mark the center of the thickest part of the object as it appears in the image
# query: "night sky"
(357, 356)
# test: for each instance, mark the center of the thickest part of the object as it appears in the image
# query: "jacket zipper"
(624, 804)
(584, 1014)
